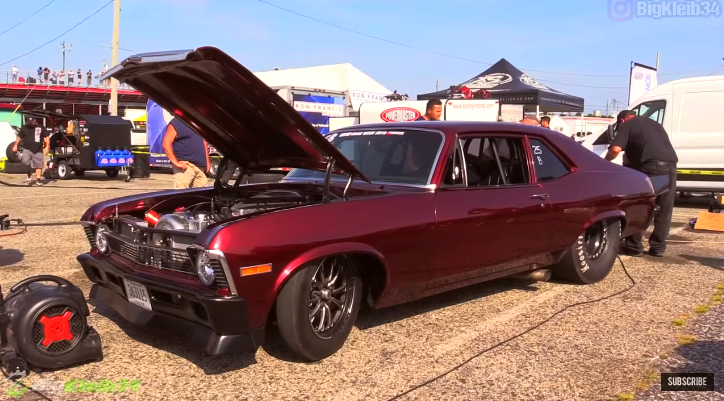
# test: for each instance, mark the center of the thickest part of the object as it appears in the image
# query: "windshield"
(400, 156)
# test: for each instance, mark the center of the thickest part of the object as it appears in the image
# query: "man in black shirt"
(433, 111)
(649, 151)
(35, 146)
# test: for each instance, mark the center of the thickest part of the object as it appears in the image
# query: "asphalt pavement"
(596, 351)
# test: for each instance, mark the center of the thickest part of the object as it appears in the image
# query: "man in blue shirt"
(189, 155)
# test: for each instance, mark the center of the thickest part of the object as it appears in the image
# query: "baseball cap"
(624, 113)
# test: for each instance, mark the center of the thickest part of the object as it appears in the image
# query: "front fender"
(327, 250)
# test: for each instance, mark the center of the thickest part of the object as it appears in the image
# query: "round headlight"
(102, 239)
(204, 270)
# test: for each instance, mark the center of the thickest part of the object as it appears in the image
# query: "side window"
(547, 165)
(494, 161)
(653, 110)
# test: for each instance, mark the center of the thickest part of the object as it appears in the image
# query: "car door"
(489, 212)
(556, 178)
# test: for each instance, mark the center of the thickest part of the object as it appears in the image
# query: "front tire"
(318, 306)
(592, 256)
(112, 173)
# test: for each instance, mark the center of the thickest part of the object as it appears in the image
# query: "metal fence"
(31, 78)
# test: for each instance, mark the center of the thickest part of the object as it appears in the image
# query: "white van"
(692, 112)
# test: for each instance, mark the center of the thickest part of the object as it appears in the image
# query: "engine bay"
(170, 223)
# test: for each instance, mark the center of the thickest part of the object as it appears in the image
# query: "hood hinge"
(328, 178)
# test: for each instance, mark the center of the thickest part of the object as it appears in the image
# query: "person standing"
(648, 150)
(433, 111)
(46, 75)
(14, 73)
(71, 73)
(529, 120)
(188, 153)
(80, 77)
(35, 146)
(89, 77)
(54, 78)
(40, 74)
(545, 122)
(61, 78)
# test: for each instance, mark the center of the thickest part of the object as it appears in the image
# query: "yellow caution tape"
(701, 172)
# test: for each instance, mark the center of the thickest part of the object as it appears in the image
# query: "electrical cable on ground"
(25, 386)
(633, 284)
(8, 184)
(29, 17)
(59, 36)
(462, 58)
(21, 223)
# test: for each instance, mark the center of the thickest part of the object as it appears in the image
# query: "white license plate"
(137, 294)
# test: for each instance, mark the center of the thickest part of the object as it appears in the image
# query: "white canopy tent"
(360, 88)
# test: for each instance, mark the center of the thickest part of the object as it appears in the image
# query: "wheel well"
(372, 270)
(374, 275)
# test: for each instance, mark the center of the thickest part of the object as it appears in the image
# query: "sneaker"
(656, 254)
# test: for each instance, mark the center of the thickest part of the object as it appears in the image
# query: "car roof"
(453, 128)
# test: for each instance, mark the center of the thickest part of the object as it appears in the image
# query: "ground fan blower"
(44, 326)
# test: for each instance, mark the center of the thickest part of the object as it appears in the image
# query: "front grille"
(91, 237)
(161, 258)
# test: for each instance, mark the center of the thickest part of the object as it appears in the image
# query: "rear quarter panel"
(597, 189)
(397, 228)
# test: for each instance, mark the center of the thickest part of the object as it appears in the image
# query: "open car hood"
(246, 120)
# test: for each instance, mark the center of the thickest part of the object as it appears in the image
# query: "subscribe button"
(687, 382)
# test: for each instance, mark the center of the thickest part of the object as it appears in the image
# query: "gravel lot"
(590, 352)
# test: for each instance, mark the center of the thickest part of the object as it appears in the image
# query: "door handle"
(540, 196)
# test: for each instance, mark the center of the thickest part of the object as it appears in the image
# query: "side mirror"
(610, 133)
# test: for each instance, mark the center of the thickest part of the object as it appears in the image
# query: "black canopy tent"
(512, 86)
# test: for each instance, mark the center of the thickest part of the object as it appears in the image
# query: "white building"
(359, 86)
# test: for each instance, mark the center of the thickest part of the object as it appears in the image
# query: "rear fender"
(327, 250)
(611, 214)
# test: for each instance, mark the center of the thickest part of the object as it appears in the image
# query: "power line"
(59, 36)
(456, 57)
(29, 17)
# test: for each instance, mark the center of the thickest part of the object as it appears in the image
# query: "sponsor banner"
(358, 97)
(391, 111)
(327, 110)
(471, 110)
(642, 80)
(318, 109)
(511, 113)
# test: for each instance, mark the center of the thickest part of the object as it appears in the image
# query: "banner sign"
(318, 109)
(511, 113)
(642, 80)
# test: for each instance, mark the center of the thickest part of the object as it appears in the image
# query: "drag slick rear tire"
(592, 257)
(318, 306)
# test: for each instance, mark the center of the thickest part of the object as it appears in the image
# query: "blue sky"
(561, 36)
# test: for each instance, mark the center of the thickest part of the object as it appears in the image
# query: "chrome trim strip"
(218, 255)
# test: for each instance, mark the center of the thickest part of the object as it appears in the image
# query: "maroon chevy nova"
(377, 214)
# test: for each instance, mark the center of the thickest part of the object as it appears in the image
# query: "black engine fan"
(45, 326)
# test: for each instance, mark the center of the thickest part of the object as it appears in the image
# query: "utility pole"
(658, 58)
(114, 56)
(437, 85)
(66, 48)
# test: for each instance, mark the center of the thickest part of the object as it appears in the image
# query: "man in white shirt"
(70, 76)
(14, 72)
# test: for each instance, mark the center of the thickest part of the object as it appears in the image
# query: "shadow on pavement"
(373, 318)
(176, 344)
(10, 257)
(715, 263)
(704, 357)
